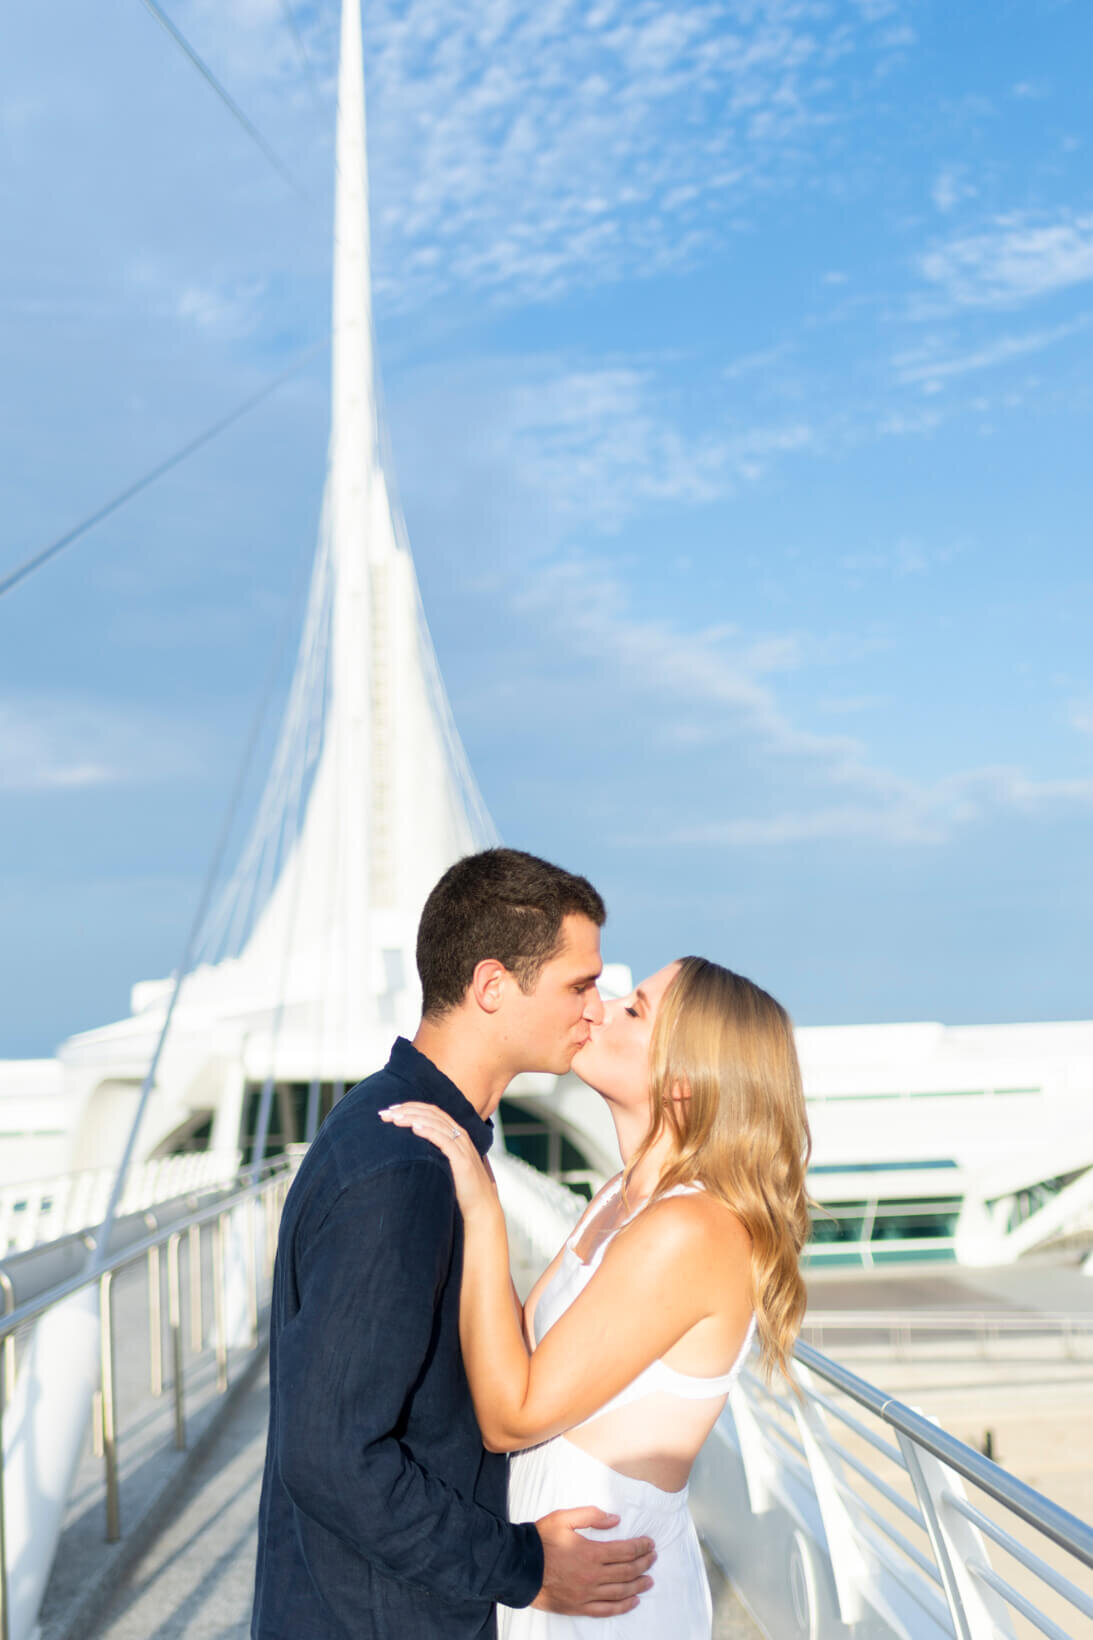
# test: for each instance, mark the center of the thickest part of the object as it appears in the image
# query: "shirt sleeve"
(368, 1279)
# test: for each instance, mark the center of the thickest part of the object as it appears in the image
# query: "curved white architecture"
(306, 966)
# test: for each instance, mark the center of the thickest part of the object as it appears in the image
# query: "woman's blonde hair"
(741, 1128)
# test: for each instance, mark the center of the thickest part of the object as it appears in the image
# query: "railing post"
(849, 1568)
(5, 1629)
(155, 1317)
(250, 1229)
(977, 1612)
(754, 1453)
(219, 1279)
(7, 1389)
(270, 1204)
(174, 1322)
(197, 1319)
(109, 1410)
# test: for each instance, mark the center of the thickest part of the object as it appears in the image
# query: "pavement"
(86, 1568)
(195, 1579)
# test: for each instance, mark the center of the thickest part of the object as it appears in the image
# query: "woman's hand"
(474, 1185)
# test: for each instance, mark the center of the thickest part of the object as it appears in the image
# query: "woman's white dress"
(560, 1475)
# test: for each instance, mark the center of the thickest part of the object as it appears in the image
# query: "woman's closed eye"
(631, 1011)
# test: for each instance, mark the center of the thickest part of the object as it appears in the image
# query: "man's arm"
(369, 1277)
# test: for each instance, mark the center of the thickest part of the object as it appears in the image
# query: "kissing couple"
(403, 1368)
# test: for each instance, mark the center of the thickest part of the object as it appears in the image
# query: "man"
(382, 1516)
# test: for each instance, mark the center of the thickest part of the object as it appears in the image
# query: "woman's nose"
(594, 1008)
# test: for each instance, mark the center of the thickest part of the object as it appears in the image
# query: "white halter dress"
(559, 1475)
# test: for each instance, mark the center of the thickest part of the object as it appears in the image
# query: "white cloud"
(1014, 260)
(1080, 716)
(929, 368)
(528, 147)
(600, 444)
(708, 688)
(904, 559)
(228, 308)
(53, 744)
(907, 813)
(950, 188)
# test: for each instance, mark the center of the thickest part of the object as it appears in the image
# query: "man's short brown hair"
(501, 904)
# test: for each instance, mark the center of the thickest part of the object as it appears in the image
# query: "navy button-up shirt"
(382, 1516)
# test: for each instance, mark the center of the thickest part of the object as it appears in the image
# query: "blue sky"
(737, 366)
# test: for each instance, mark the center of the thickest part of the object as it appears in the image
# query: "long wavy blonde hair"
(741, 1128)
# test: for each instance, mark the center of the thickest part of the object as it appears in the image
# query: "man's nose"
(594, 1008)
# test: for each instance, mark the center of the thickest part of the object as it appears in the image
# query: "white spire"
(391, 801)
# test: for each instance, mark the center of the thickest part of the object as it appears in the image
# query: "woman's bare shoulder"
(695, 1224)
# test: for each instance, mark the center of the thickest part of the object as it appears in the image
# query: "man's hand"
(587, 1578)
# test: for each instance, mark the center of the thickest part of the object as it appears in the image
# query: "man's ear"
(488, 984)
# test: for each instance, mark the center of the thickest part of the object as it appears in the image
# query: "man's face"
(547, 1025)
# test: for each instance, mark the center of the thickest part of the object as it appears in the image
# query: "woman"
(611, 1379)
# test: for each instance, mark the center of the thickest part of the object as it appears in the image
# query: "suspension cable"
(226, 98)
(70, 536)
(185, 967)
(303, 53)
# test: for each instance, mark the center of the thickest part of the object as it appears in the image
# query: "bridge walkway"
(195, 1578)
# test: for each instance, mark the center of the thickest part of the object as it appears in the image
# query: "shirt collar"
(431, 1085)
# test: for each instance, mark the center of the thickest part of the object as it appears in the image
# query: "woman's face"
(615, 1059)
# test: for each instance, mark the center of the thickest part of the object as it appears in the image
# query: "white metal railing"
(243, 1224)
(40, 1210)
(988, 1328)
(876, 1533)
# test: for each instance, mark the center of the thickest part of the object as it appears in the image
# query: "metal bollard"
(174, 1322)
(109, 1411)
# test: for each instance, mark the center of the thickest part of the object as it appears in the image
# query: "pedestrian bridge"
(834, 1512)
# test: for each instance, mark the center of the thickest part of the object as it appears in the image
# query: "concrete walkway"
(196, 1579)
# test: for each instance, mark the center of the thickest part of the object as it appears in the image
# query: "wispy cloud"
(930, 367)
(951, 187)
(600, 443)
(229, 308)
(53, 744)
(1080, 716)
(901, 812)
(528, 147)
(714, 689)
(1015, 259)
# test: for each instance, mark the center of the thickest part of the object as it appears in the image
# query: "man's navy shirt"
(382, 1516)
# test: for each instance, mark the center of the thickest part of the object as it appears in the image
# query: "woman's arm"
(666, 1271)
(652, 1286)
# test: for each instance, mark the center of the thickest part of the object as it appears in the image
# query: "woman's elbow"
(496, 1438)
(500, 1436)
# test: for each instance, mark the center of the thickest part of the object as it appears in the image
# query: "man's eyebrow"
(590, 979)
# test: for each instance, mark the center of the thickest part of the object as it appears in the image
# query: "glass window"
(838, 1222)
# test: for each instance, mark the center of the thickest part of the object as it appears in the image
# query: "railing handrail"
(34, 1307)
(956, 1320)
(1058, 1524)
